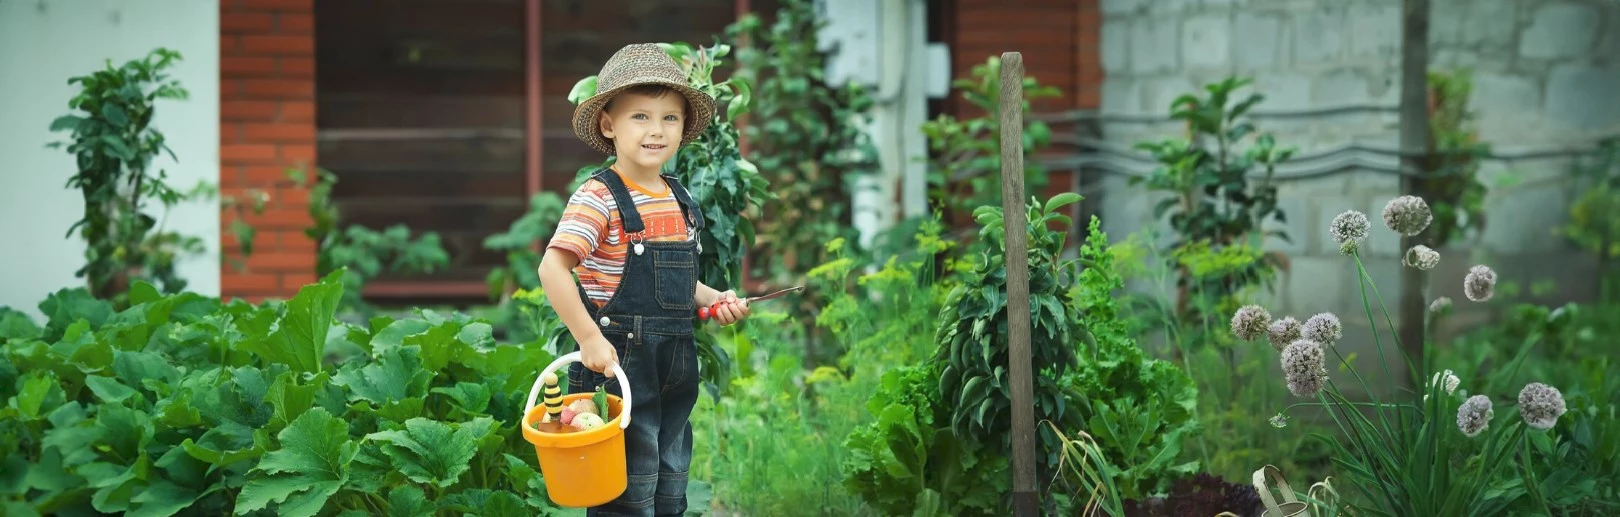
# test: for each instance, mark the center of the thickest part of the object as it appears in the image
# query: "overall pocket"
(676, 273)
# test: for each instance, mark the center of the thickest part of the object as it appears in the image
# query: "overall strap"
(621, 198)
(694, 213)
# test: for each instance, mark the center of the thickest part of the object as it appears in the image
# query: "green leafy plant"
(523, 261)
(808, 137)
(1139, 409)
(114, 144)
(183, 404)
(1212, 203)
(965, 167)
(363, 253)
(972, 335)
(939, 437)
(724, 184)
(1454, 190)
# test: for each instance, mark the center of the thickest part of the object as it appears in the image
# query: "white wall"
(42, 44)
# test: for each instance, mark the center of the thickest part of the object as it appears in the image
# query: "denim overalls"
(649, 321)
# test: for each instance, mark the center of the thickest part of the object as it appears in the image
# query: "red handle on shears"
(703, 313)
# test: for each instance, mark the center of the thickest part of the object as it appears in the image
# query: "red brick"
(276, 218)
(298, 111)
(266, 176)
(298, 153)
(249, 282)
(241, 66)
(290, 132)
(278, 260)
(278, 88)
(294, 241)
(302, 6)
(278, 45)
(291, 196)
(246, 152)
(292, 282)
(295, 23)
(247, 110)
(233, 21)
(297, 67)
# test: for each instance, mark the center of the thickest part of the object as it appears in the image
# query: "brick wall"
(1059, 40)
(267, 127)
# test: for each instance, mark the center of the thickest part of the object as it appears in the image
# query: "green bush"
(182, 403)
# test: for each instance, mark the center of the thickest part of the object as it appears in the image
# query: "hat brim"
(587, 114)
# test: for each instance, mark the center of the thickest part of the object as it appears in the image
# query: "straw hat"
(635, 65)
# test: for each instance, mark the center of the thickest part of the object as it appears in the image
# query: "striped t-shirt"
(592, 229)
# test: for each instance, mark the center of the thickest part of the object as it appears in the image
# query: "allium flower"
(1302, 367)
(1279, 421)
(1422, 257)
(1480, 284)
(1250, 321)
(1284, 331)
(1323, 328)
(1475, 415)
(1407, 215)
(1439, 305)
(1446, 380)
(1540, 405)
(1349, 229)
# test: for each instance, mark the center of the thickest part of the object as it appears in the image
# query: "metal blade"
(774, 294)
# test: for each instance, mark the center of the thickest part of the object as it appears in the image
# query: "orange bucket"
(587, 468)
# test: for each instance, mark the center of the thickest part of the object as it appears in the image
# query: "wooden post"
(1020, 371)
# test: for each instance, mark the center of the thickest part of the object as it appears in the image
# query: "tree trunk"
(1415, 139)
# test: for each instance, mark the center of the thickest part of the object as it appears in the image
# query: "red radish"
(583, 406)
(567, 416)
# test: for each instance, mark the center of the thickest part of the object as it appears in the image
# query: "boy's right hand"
(598, 355)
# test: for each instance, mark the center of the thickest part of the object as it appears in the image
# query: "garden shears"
(703, 313)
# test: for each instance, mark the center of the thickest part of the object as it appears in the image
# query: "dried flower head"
(1250, 321)
(1284, 331)
(1480, 284)
(1349, 229)
(1407, 215)
(1475, 415)
(1540, 405)
(1302, 364)
(1323, 328)
(1440, 305)
(1422, 257)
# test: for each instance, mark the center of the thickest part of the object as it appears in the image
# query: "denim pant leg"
(641, 437)
(678, 394)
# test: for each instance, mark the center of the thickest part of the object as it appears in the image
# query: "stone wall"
(1545, 78)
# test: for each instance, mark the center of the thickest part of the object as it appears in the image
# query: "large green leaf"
(311, 465)
(299, 338)
(434, 452)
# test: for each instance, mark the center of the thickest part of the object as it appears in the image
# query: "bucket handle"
(574, 357)
(1260, 485)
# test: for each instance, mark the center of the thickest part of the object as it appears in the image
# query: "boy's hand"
(598, 355)
(729, 309)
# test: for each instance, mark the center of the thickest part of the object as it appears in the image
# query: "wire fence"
(1084, 148)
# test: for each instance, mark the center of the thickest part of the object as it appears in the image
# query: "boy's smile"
(644, 129)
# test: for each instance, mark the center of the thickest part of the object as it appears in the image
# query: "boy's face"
(645, 130)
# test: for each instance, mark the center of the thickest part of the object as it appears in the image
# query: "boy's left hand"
(728, 309)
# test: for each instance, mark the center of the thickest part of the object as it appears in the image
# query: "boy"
(631, 236)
